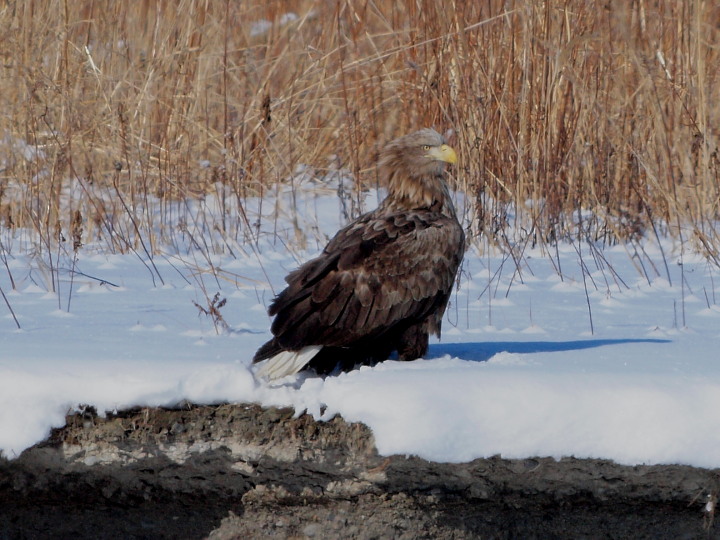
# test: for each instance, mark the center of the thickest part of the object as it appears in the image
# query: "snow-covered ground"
(620, 361)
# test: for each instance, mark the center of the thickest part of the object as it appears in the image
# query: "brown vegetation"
(557, 107)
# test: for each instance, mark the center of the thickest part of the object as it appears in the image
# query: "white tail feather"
(287, 362)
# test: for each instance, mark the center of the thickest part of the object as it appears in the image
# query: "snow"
(525, 368)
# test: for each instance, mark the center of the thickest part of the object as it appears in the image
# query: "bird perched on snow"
(383, 282)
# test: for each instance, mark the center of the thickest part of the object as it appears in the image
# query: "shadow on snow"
(481, 352)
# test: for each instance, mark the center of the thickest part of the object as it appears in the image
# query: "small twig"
(213, 310)
(56, 271)
(3, 256)
(102, 281)
(585, 274)
(132, 219)
(77, 230)
(682, 292)
(7, 303)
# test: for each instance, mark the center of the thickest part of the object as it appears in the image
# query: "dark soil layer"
(240, 471)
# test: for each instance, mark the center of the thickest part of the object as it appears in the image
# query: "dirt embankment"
(240, 471)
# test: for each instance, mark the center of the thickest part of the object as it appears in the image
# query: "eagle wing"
(375, 273)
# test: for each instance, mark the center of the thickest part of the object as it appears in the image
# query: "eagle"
(382, 283)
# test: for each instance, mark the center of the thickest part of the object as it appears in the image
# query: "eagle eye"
(426, 147)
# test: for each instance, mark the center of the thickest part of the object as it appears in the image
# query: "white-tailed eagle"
(383, 282)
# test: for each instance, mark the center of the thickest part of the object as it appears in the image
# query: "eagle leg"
(413, 342)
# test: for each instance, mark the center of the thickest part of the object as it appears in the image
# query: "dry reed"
(573, 119)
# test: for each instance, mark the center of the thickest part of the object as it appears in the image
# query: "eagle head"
(421, 153)
(412, 167)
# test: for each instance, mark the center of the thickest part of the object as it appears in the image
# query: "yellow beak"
(442, 153)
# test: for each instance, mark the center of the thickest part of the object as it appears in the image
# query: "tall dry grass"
(577, 119)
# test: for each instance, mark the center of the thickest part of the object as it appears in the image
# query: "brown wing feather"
(378, 271)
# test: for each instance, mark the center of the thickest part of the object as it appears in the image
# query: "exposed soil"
(240, 471)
